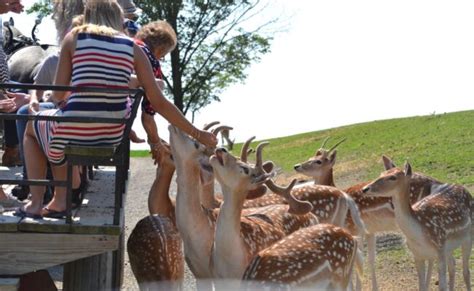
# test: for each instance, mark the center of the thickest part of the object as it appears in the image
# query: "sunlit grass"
(441, 146)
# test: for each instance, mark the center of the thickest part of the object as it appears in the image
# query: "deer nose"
(365, 189)
(297, 166)
(221, 149)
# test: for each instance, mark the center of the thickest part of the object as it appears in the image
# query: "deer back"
(318, 253)
(445, 213)
(262, 227)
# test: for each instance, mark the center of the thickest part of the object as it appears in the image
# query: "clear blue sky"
(344, 62)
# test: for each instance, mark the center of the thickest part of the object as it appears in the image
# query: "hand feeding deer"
(377, 212)
(434, 226)
(326, 251)
(239, 237)
(155, 246)
(225, 135)
(195, 224)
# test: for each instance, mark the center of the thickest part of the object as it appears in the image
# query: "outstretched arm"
(161, 105)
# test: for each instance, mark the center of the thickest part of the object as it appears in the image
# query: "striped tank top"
(98, 61)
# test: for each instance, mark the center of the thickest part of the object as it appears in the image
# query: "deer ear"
(268, 166)
(387, 162)
(332, 158)
(258, 192)
(408, 169)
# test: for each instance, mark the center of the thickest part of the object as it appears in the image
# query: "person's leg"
(21, 127)
(3, 196)
(58, 203)
(11, 156)
(36, 166)
(22, 191)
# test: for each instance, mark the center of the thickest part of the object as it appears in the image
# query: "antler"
(335, 146)
(245, 149)
(259, 162)
(209, 125)
(218, 129)
(296, 206)
(324, 142)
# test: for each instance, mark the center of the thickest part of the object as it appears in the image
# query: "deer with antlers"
(195, 186)
(376, 212)
(330, 204)
(434, 226)
(313, 255)
(155, 246)
(239, 237)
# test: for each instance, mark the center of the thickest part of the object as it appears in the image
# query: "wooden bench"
(90, 241)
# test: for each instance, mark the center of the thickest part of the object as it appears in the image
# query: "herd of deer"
(308, 235)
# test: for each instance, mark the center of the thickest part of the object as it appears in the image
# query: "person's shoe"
(21, 192)
(11, 157)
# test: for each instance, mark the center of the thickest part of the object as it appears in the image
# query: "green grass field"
(440, 145)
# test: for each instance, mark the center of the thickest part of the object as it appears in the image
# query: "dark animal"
(25, 54)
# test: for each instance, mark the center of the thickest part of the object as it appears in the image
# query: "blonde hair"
(158, 34)
(63, 13)
(102, 17)
(78, 20)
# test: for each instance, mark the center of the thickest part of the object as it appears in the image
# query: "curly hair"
(158, 34)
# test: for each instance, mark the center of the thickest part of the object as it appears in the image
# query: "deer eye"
(196, 145)
(318, 162)
(392, 178)
(246, 171)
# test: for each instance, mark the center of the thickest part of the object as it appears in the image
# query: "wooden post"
(92, 273)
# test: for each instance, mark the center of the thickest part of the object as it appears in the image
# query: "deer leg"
(442, 262)
(466, 248)
(371, 249)
(428, 274)
(451, 271)
(420, 270)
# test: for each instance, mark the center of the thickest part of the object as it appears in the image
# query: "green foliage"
(440, 146)
(214, 49)
(43, 8)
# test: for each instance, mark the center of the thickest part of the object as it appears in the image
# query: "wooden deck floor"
(29, 244)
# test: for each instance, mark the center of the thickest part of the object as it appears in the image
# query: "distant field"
(440, 145)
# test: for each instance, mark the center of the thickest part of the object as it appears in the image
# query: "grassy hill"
(441, 146)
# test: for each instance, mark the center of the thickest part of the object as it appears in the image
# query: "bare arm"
(64, 67)
(161, 105)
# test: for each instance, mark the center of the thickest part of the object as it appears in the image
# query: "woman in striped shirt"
(96, 54)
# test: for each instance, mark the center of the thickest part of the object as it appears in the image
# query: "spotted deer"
(433, 226)
(376, 212)
(239, 237)
(330, 205)
(320, 257)
(155, 246)
(195, 223)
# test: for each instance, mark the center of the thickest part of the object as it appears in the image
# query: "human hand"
(135, 138)
(7, 105)
(159, 151)
(206, 138)
(20, 99)
(33, 107)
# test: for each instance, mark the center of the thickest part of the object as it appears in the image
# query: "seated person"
(45, 140)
